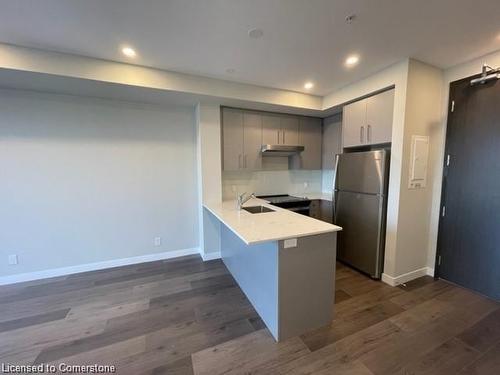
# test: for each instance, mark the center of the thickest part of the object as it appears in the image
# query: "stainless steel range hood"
(280, 150)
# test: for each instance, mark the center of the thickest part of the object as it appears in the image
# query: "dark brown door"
(469, 230)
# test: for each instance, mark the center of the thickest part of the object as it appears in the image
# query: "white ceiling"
(303, 39)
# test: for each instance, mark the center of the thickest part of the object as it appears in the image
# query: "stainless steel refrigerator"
(360, 205)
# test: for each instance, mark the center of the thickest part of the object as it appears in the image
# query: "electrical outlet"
(13, 259)
(157, 241)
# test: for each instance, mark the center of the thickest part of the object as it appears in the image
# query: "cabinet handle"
(361, 134)
(369, 133)
(278, 138)
(239, 161)
(245, 161)
(283, 136)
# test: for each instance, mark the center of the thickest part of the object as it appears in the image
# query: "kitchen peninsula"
(283, 261)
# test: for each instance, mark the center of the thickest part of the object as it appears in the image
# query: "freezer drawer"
(362, 218)
(362, 172)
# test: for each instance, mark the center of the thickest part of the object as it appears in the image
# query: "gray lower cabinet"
(321, 209)
(241, 140)
(368, 121)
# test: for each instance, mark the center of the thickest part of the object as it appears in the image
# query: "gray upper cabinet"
(241, 140)
(332, 140)
(354, 124)
(289, 130)
(280, 130)
(271, 129)
(252, 140)
(245, 131)
(379, 113)
(310, 136)
(368, 121)
(232, 135)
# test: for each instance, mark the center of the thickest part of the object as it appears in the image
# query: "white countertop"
(268, 226)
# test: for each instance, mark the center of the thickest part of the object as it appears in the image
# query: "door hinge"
(452, 106)
(448, 160)
(439, 260)
(443, 211)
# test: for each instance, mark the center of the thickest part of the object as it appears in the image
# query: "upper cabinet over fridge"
(368, 121)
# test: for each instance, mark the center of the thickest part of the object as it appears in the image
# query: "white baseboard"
(404, 278)
(210, 256)
(63, 271)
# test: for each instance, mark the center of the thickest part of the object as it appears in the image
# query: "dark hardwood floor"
(184, 316)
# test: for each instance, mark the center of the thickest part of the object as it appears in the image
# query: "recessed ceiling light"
(255, 33)
(308, 85)
(352, 60)
(230, 70)
(350, 18)
(129, 51)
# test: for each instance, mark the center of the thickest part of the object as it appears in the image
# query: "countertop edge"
(280, 238)
(228, 226)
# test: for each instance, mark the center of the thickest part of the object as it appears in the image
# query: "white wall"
(208, 139)
(423, 118)
(88, 180)
(453, 74)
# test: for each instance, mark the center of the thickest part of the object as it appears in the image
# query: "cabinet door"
(310, 136)
(271, 130)
(232, 139)
(379, 110)
(354, 124)
(252, 140)
(289, 130)
(326, 208)
(332, 141)
(315, 209)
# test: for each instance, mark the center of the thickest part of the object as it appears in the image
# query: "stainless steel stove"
(296, 204)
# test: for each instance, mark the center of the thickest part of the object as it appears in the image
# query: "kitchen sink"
(258, 209)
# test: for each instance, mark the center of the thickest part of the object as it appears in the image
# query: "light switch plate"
(418, 162)
(291, 242)
(13, 259)
(157, 241)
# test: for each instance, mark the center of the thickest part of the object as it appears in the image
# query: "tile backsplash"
(293, 182)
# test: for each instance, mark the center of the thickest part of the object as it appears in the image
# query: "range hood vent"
(280, 150)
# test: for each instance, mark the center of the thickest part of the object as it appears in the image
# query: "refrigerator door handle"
(335, 174)
(334, 207)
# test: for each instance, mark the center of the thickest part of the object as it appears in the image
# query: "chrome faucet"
(242, 199)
